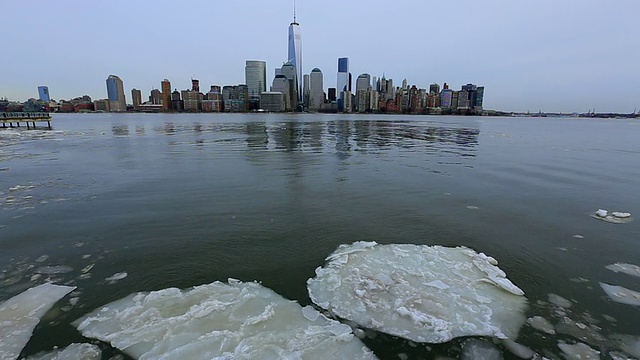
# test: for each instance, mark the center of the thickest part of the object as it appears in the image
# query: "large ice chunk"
(20, 315)
(621, 295)
(218, 320)
(426, 294)
(629, 269)
(73, 351)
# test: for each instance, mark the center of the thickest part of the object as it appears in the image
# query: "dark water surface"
(184, 200)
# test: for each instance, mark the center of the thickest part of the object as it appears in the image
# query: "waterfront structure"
(255, 76)
(166, 95)
(43, 93)
(115, 94)
(316, 89)
(272, 101)
(136, 97)
(295, 51)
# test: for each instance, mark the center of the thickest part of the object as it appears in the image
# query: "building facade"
(115, 94)
(316, 89)
(43, 93)
(255, 76)
(136, 98)
(295, 53)
(166, 95)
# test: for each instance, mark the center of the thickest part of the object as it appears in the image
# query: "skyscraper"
(255, 76)
(295, 50)
(115, 94)
(316, 89)
(166, 95)
(343, 75)
(136, 96)
(43, 93)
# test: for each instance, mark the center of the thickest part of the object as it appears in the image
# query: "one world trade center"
(295, 50)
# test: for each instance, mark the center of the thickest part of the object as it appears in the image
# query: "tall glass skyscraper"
(43, 93)
(115, 93)
(295, 50)
(343, 75)
(255, 76)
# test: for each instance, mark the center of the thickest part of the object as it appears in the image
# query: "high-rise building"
(343, 75)
(115, 94)
(363, 90)
(316, 89)
(331, 94)
(166, 95)
(255, 76)
(282, 85)
(306, 89)
(195, 85)
(289, 71)
(136, 97)
(43, 93)
(295, 50)
(156, 97)
(434, 89)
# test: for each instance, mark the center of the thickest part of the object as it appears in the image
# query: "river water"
(184, 200)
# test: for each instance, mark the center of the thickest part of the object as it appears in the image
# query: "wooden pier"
(28, 118)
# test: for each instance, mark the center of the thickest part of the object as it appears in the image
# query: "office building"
(316, 89)
(136, 97)
(43, 93)
(434, 89)
(363, 89)
(331, 95)
(289, 71)
(295, 51)
(343, 75)
(155, 98)
(192, 100)
(272, 101)
(282, 85)
(306, 90)
(195, 85)
(255, 76)
(166, 95)
(115, 94)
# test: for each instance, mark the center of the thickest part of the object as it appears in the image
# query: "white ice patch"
(20, 315)
(71, 352)
(559, 301)
(628, 343)
(578, 351)
(115, 277)
(621, 295)
(629, 269)
(226, 321)
(476, 349)
(541, 324)
(428, 294)
(615, 217)
(518, 350)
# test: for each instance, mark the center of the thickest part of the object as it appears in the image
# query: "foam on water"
(20, 315)
(235, 320)
(426, 294)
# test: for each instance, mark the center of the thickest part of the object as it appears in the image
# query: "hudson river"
(185, 200)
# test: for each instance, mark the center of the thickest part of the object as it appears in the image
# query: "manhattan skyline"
(569, 56)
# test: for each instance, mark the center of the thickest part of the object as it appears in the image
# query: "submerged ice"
(219, 320)
(20, 315)
(426, 294)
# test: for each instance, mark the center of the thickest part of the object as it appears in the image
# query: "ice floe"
(541, 324)
(616, 217)
(621, 295)
(71, 352)
(558, 300)
(476, 349)
(518, 350)
(578, 351)
(20, 315)
(627, 343)
(428, 294)
(629, 269)
(115, 277)
(219, 320)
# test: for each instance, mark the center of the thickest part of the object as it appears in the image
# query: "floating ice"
(629, 269)
(621, 295)
(51, 270)
(218, 320)
(20, 315)
(627, 343)
(518, 350)
(558, 300)
(423, 293)
(475, 349)
(615, 217)
(541, 324)
(578, 351)
(73, 351)
(115, 277)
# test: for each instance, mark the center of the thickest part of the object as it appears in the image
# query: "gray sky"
(549, 55)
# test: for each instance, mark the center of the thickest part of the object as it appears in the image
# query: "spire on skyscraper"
(294, 12)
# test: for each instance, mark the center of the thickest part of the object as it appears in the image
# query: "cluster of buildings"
(289, 91)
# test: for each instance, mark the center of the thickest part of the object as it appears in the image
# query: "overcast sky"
(549, 55)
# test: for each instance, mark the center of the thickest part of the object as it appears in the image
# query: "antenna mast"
(294, 11)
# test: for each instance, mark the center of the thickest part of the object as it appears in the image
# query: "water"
(184, 200)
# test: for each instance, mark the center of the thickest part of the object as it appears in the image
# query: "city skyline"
(546, 56)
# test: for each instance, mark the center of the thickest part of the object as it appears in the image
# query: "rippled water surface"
(184, 200)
